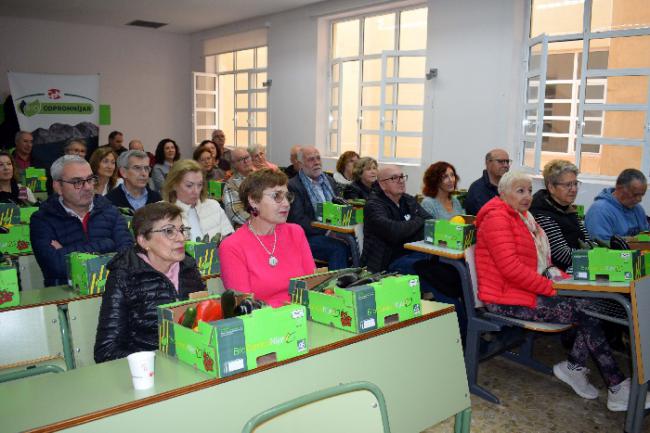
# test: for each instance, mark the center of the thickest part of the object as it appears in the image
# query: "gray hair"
(123, 159)
(254, 148)
(362, 165)
(19, 135)
(511, 177)
(629, 175)
(71, 141)
(554, 170)
(300, 156)
(56, 169)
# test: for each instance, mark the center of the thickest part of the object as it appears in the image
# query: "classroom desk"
(417, 364)
(633, 297)
(346, 234)
(427, 248)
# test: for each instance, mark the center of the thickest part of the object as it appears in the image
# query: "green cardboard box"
(614, 265)
(206, 255)
(230, 346)
(580, 210)
(17, 241)
(335, 214)
(9, 214)
(35, 179)
(9, 293)
(362, 308)
(215, 189)
(26, 214)
(449, 235)
(461, 196)
(88, 272)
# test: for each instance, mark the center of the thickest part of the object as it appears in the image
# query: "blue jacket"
(480, 192)
(107, 232)
(608, 217)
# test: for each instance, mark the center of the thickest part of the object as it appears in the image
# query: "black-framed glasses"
(171, 231)
(396, 178)
(79, 183)
(279, 196)
(568, 185)
(140, 168)
(243, 159)
(503, 161)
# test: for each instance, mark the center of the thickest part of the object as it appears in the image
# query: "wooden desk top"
(339, 229)
(427, 248)
(47, 296)
(593, 286)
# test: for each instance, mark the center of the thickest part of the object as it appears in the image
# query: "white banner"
(55, 108)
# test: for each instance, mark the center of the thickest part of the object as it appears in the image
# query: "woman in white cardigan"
(186, 187)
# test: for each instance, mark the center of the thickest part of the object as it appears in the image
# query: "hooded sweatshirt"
(608, 217)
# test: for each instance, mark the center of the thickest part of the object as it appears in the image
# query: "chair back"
(471, 266)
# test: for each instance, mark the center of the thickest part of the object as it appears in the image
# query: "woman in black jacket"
(155, 271)
(364, 175)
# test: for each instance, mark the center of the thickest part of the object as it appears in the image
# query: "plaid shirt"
(232, 204)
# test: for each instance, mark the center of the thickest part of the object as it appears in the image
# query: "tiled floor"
(532, 402)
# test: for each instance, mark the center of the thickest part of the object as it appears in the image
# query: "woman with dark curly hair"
(345, 167)
(440, 180)
(205, 156)
(166, 153)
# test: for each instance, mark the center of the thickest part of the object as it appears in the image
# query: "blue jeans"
(406, 265)
(335, 252)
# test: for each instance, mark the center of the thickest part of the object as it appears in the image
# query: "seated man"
(74, 219)
(137, 145)
(116, 142)
(242, 166)
(292, 169)
(22, 154)
(311, 186)
(617, 211)
(482, 190)
(134, 192)
(226, 159)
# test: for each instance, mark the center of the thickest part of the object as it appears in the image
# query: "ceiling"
(183, 16)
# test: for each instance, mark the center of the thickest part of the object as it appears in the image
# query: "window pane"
(372, 70)
(345, 39)
(242, 81)
(242, 137)
(611, 160)
(558, 91)
(534, 57)
(618, 15)
(334, 98)
(226, 103)
(205, 83)
(413, 30)
(349, 106)
(334, 119)
(409, 120)
(259, 79)
(390, 67)
(241, 119)
(408, 147)
(555, 17)
(333, 141)
(619, 90)
(210, 65)
(529, 154)
(387, 147)
(370, 119)
(389, 96)
(411, 67)
(557, 109)
(242, 100)
(624, 52)
(245, 59)
(533, 90)
(389, 120)
(260, 119)
(560, 66)
(370, 145)
(547, 157)
(530, 122)
(207, 118)
(205, 101)
(261, 58)
(260, 138)
(379, 34)
(225, 62)
(371, 96)
(335, 73)
(555, 144)
(410, 94)
(624, 124)
(203, 134)
(259, 99)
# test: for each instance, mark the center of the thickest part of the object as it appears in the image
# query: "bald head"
(392, 181)
(241, 161)
(497, 163)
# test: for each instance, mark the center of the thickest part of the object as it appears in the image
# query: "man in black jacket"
(483, 189)
(311, 186)
(134, 193)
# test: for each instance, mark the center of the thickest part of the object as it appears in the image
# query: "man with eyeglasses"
(242, 166)
(482, 190)
(74, 219)
(617, 211)
(134, 192)
(310, 187)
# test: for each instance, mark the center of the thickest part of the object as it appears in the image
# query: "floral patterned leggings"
(590, 338)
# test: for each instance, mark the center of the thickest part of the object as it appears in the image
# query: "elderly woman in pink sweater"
(266, 252)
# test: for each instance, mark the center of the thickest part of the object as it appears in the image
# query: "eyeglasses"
(569, 185)
(397, 178)
(244, 159)
(279, 196)
(258, 156)
(79, 183)
(171, 231)
(140, 168)
(503, 161)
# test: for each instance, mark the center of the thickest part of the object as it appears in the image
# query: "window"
(240, 97)
(586, 95)
(377, 67)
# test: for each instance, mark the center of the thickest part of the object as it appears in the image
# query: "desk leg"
(635, 420)
(463, 421)
(64, 326)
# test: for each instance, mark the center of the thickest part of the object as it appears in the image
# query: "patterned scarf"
(541, 242)
(314, 196)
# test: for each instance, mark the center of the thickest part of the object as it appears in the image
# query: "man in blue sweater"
(74, 219)
(617, 211)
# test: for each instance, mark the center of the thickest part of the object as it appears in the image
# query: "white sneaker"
(576, 379)
(617, 401)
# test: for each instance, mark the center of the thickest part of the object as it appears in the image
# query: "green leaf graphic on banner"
(31, 108)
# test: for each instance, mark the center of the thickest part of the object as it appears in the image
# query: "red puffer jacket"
(506, 258)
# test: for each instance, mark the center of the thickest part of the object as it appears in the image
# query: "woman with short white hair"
(258, 154)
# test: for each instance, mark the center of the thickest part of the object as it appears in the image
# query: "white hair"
(510, 178)
(56, 170)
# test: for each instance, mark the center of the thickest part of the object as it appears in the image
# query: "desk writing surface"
(428, 248)
(48, 295)
(593, 286)
(339, 229)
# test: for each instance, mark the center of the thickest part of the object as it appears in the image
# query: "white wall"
(145, 75)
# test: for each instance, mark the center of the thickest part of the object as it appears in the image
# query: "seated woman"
(166, 154)
(153, 272)
(554, 211)
(344, 168)
(186, 187)
(10, 190)
(265, 253)
(512, 253)
(103, 164)
(440, 180)
(258, 154)
(76, 146)
(204, 156)
(364, 175)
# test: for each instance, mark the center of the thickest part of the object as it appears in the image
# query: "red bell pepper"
(208, 311)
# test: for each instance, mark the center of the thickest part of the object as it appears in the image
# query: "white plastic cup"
(141, 365)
